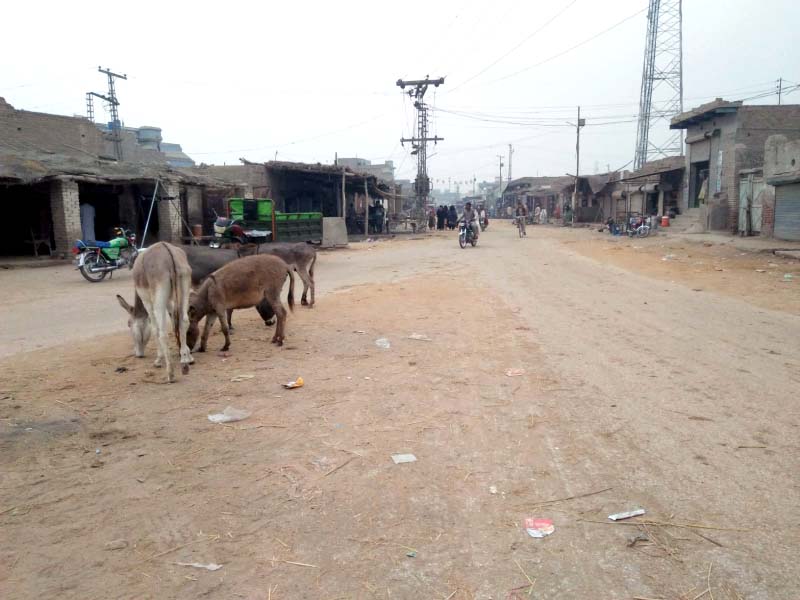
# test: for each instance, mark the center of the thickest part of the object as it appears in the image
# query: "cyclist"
(522, 214)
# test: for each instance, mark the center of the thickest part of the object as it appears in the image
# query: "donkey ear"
(128, 308)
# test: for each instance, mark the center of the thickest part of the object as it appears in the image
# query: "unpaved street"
(664, 384)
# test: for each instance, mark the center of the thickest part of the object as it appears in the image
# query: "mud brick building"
(724, 144)
(50, 165)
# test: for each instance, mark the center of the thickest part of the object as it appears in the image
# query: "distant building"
(384, 171)
(149, 137)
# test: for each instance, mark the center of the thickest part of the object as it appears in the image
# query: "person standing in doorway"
(87, 222)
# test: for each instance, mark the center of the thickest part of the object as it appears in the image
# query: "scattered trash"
(788, 277)
(539, 528)
(368, 378)
(761, 270)
(669, 257)
(383, 343)
(242, 377)
(626, 515)
(360, 331)
(718, 269)
(222, 354)
(772, 265)
(116, 544)
(297, 383)
(120, 369)
(403, 458)
(637, 538)
(492, 489)
(208, 567)
(514, 372)
(97, 450)
(411, 554)
(229, 415)
(420, 337)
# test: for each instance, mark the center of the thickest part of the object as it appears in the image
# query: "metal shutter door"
(787, 212)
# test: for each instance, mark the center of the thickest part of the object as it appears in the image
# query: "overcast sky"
(310, 79)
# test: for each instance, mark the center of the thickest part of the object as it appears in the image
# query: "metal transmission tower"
(113, 103)
(419, 143)
(662, 83)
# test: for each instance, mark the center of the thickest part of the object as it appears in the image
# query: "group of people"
(446, 217)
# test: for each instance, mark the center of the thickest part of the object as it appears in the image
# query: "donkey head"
(138, 322)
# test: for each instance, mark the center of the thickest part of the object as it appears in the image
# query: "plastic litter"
(420, 337)
(360, 331)
(383, 343)
(297, 383)
(119, 544)
(669, 257)
(242, 377)
(120, 369)
(627, 514)
(411, 554)
(403, 458)
(514, 372)
(229, 415)
(492, 489)
(788, 277)
(539, 528)
(208, 567)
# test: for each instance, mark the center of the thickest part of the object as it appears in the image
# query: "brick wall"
(755, 125)
(27, 131)
(66, 214)
(169, 217)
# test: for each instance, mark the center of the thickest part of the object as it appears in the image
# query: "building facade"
(724, 140)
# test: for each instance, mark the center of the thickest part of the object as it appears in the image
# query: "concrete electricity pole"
(581, 123)
(780, 90)
(510, 153)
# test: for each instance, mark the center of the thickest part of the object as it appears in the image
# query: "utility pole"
(510, 153)
(500, 181)
(419, 142)
(780, 90)
(581, 123)
(113, 103)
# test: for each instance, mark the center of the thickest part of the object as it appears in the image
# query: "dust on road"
(637, 391)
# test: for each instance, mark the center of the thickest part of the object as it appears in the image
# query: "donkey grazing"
(299, 256)
(240, 284)
(161, 279)
(204, 261)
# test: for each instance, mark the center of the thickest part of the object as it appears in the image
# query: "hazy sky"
(309, 79)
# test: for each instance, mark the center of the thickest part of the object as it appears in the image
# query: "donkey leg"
(163, 327)
(183, 325)
(280, 316)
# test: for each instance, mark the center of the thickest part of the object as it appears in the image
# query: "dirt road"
(637, 391)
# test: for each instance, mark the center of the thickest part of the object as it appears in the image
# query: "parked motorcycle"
(227, 231)
(466, 235)
(638, 226)
(95, 260)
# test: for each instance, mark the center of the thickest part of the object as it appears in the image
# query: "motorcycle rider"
(522, 214)
(470, 217)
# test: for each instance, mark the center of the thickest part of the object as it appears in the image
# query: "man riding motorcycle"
(470, 217)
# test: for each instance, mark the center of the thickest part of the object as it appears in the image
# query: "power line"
(570, 49)
(515, 48)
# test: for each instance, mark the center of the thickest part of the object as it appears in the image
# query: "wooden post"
(366, 208)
